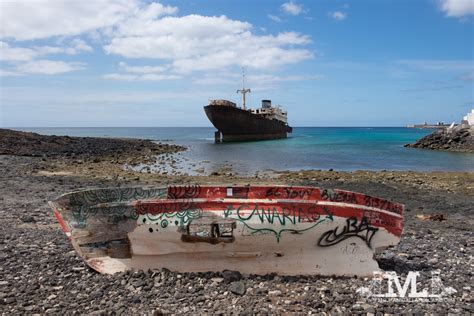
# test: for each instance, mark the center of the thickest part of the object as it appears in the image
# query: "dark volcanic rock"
(94, 149)
(28, 219)
(237, 287)
(231, 276)
(459, 139)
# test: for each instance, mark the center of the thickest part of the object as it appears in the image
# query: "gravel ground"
(41, 273)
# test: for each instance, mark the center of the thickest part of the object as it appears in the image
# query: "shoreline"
(341, 150)
(40, 269)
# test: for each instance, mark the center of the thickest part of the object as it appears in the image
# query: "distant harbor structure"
(426, 125)
(466, 122)
(469, 119)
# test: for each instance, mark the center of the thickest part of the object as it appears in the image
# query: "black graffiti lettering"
(288, 193)
(273, 192)
(341, 196)
(351, 229)
(382, 204)
(297, 193)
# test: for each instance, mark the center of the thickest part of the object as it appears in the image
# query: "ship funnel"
(266, 104)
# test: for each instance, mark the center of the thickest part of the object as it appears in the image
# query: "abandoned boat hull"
(252, 229)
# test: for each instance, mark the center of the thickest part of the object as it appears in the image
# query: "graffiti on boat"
(352, 228)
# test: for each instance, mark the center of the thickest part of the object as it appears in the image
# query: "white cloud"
(214, 80)
(461, 69)
(141, 73)
(274, 18)
(274, 78)
(265, 58)
(437, 65)
(13, 54)
(5, 73)
(28, 20)
(468, 76)
(159, 77)
(195, 42)
(136, 29)
(263, 82)
(62, 98)
(142, 77)
(457, 8)
(174, 37)
(9, 53)
(144, 20)
(142, 69)
(338, 15)
(256, 81)
(116, 76)
(48, 67)
(292, 8)
(78, 46)
(25, 61)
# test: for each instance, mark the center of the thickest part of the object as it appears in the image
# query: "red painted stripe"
(303, 211)
(284, 192)
(61, 222)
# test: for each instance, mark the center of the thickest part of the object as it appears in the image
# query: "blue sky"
(145, 63)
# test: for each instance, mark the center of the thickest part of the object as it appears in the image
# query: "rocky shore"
(82, 149)
(459, 139)
(41, 273)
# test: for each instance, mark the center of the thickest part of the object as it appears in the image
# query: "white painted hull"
(302, 234)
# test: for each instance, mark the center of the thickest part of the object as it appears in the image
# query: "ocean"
(338, 148)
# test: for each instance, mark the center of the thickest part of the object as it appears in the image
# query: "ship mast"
(243, 90)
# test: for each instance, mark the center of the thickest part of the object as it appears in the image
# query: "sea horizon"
(177, 126)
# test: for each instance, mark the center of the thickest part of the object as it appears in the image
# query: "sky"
(147, 63)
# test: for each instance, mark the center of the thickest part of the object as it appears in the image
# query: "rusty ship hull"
(254, 229)
(235, 124)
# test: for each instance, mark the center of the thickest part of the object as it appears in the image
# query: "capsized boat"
(254, 229)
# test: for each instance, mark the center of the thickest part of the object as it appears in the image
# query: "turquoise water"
(338, 148)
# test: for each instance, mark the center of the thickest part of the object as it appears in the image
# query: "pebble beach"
(41, 272)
